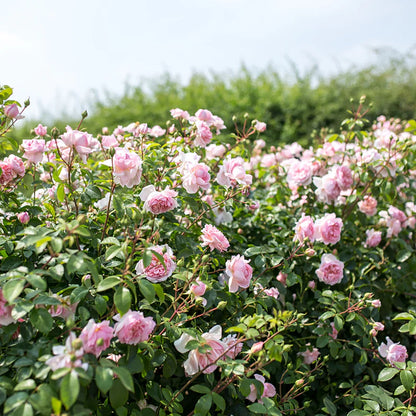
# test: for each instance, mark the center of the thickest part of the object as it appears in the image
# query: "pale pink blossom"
(328, 229)
(158, 202)
(109, 141)
(214, 238)
(330, 270)
(344, 177)
(41, 130)
(305, 229)
(376, 303)
(218, 123)
(204, 115)
(334, 333)
(268, 160)
(196, 177)
(34, 150)
(393, 352)
(198, 288)
(11, 110)
(238, 272)
(127, 168)
(259, 126)
(327, 188)
(397, 214)
(96, 337)
(268, 389)
(373, 238)
(232, 346)
(311, 284)
(83, 142)
(233, 172)
(310, 356)
(214, 151)
(16, 164)
(254, 205)
(65, 309)
(273, 292)
(200, 361)
(282, 277)
(157, 131)
(202, 134)
(377, 326)
(23, 217)
(299, 173)
(69, 356)
(256, 347)
(368, 205)
(178, 113)
(133, 328)
(156, 271)
(5, 311)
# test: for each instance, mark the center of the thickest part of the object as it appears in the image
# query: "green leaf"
(326, 315)
(78, 294)
(60, 192)
(69, 389)
(50, 208)
(412, 327)
(41, 319)
(387, 374)
(125, 377)
(257, 408)
(330, 407)
(199, 388)
(15, 401)
(122, 299)
(118, 394)
(24, 410)
(406, 377)
(403, 256)
(27, 384)
(112, 252)
(108, 283)
(245, 388)
(12, 289)
(104, 378)
(203, 405)
(404, 316)
(147, 258)
(147, 289)
(219, 401)
(338, 322)
(359, 413)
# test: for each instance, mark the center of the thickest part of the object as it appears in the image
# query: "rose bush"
(119, 295)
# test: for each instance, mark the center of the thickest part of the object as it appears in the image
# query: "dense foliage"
(186, 271)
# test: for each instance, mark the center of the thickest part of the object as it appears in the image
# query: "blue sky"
(58, 52)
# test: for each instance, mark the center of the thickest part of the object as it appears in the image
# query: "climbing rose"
(158, 202)
(304, 229)
(393, 352)
(238, 273)
(233, 172)
(328, 229)
(34, 149)
(196, 177)
(373, 238)
(310, 356)
(11, 110)
(127, 168)
(5, 311)
(368, 206)
(214, 238)
(23, 217)
(268, 389)
(41, 130)
(96, 337)
(156, 271)
(330, 270)
(133, 327)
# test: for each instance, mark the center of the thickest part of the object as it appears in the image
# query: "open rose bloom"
(96, 337)
(238, 273)
(330, 270)
(158, 202)
(133, 328)
(393, 352)
(214, 238)
(157, 271)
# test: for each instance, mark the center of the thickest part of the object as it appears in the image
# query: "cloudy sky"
(57, 52)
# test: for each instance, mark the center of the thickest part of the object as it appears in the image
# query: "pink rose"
(311, 284)
(376, 303)
(158, 202)
(203, 134)
(327, 188)
(156, 271)
(11, 111)
(5, 311)
(310, 356)
(7, 172)
(238, 273)
(304, 229)
(273, 292)
(127, 168)
(133, 328)
(65, 309)
(109, 141)
(378, 326)
(196, 177)
(268, 389)
(214, 151)
(259, 126)
(268, 160)
(233, 172)
(204, 115)
(344, 177)
(368, 206)
(397, 214)
(178, 113)
(334, 333)
(200, 361)
(96, 337)
(393, 352)
(16, 164)
(256, 347)
(198, 288)
(157, 131)
(373, 238)
(282, 277)
(328, 229)
(23, 217)
(299, 173)
(232, 346)
(83, 142)
(214, 238)
(330, 270)
(41, 130)
(34, 150)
